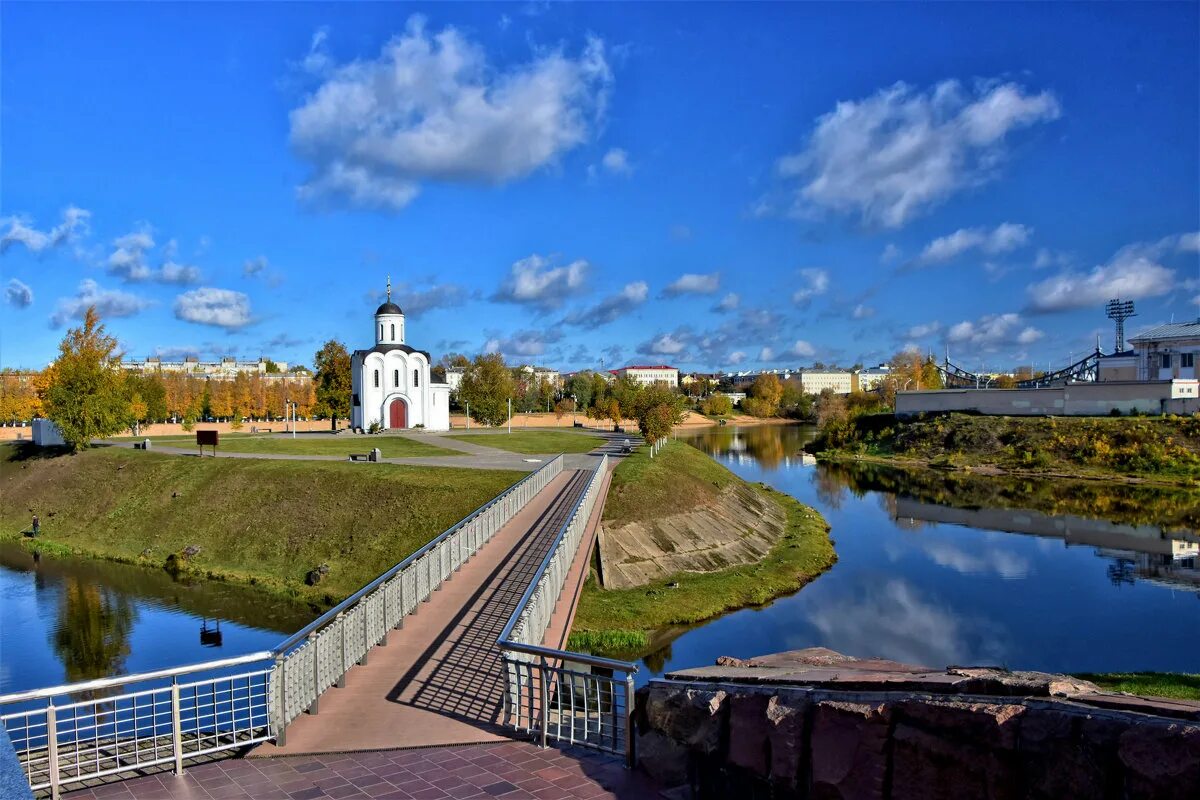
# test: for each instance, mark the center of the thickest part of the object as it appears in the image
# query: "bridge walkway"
(438, 680)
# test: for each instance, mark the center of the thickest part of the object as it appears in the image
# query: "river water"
(1060, 577)
(978, 573)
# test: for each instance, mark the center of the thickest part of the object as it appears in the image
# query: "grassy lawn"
(261, 522)
(534, 442)
(318, 445)
(618, 621)
(1176, 685)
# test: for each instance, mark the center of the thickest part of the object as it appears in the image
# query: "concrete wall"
(1079, 399)
(815, 724)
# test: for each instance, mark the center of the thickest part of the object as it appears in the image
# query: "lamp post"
(510, 415)
(287, 404)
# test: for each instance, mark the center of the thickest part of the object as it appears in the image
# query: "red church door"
(398, 414)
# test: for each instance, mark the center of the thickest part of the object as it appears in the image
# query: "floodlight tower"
(1120, 310)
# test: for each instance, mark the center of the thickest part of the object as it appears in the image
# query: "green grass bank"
(1150, 449)
(260, 522)
(619, 621)
(1176, 685)
(534, 442)
(314, 445)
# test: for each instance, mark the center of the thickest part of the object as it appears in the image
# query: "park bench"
(360, 456)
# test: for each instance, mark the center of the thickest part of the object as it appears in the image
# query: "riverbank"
(263, 523)
(1154, 450)
(1176, 685)
(683, 479)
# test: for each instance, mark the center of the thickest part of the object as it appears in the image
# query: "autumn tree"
(487, 386)
(86, 398)
(657, 410)
(333, 385)
(768, 390)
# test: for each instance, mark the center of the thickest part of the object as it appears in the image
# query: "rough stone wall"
(978, 735)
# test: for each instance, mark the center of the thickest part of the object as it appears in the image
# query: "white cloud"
(667, 344)
(1051, 258)
(992, 331)
(736, 357)
(801, 349)
(1189, 242)
(1004, 238)
(431, 108)
(616, 161)
(533, 281)
(694, 283)
(416, 301)
(813, 282)
(254, 266)
(862, 311)
(173, 272)
(611, 307)
(1131, 274)
(891, 156)
(128, 261)
(18, 294)
(522, 344)
(890, 254)
(921, 331)
(729, 302)
(21, 231)
(223, 308)
(766, 354)
(109, 303)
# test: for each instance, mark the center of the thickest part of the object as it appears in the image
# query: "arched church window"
(381, 331)
(396, 378)
(376, 379)
(393, 331)
(416, 378)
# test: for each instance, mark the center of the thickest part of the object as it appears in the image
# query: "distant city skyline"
(714, 187)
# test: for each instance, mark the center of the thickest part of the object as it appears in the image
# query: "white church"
(390, 382)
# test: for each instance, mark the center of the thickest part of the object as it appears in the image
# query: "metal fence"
(82, 732)
(557, 695)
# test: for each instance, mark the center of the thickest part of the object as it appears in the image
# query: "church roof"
(388, 308)
(387, 348)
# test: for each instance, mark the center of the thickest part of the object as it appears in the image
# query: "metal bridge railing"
(78, 732)
(558, 695)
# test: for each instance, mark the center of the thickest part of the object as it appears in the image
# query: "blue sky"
(712, 186)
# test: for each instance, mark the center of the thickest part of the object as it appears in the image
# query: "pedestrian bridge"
(462, 642)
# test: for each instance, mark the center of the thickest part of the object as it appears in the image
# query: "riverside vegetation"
(1150, 449)
(261, 522)
(680, 477)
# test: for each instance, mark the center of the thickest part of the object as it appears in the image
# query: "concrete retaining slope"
(816, 724)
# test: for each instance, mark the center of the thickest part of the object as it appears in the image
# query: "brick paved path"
(507, 770)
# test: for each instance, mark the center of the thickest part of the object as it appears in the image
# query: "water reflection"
(939, 568)
(92, 634)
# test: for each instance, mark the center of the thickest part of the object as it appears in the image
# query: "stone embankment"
(816, 724)
(739, 526)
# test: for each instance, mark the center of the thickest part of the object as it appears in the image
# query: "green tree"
(271, 367)
(333, 381)
(657, 410)
(487, 386)
(86, 396)
(716, 405)
(580, 387)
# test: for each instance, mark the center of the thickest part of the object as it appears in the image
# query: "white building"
(1168, 352)
(227, 367)
(815, 381)
(542, 374)
(871, 377)
(390, 382)
(650, 375)
(454, 376)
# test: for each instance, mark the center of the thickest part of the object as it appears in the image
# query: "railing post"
(383, 641)
(343, 668)
(176, 726)
(400, 621)
(545, 701)
(362, 662)
(313, 707)
(629, 756)
(428, 576)
(52, 749)
(281, 700)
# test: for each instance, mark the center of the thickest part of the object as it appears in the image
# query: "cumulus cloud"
(616, 161)
(729, 302)
(1004, 238)
(813, 282)
(431, 108)
(736, 357)
(693, 283)
(890, 254)
(18, 294)
(766, 354)
(21, 231)
(892, 156)
(801, 349)
(255, 266)
(926, 329)
(223, 308)
(1131, 274)
(992, 331)
(521, 344)
(417, 300)
(129, 262)
(611, 307)
(536, 282)
(862, 311)
(109, 303)
(665, 344)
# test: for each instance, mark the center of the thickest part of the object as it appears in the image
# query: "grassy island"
(256, 521)
(1135, 449)
(619, 621)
